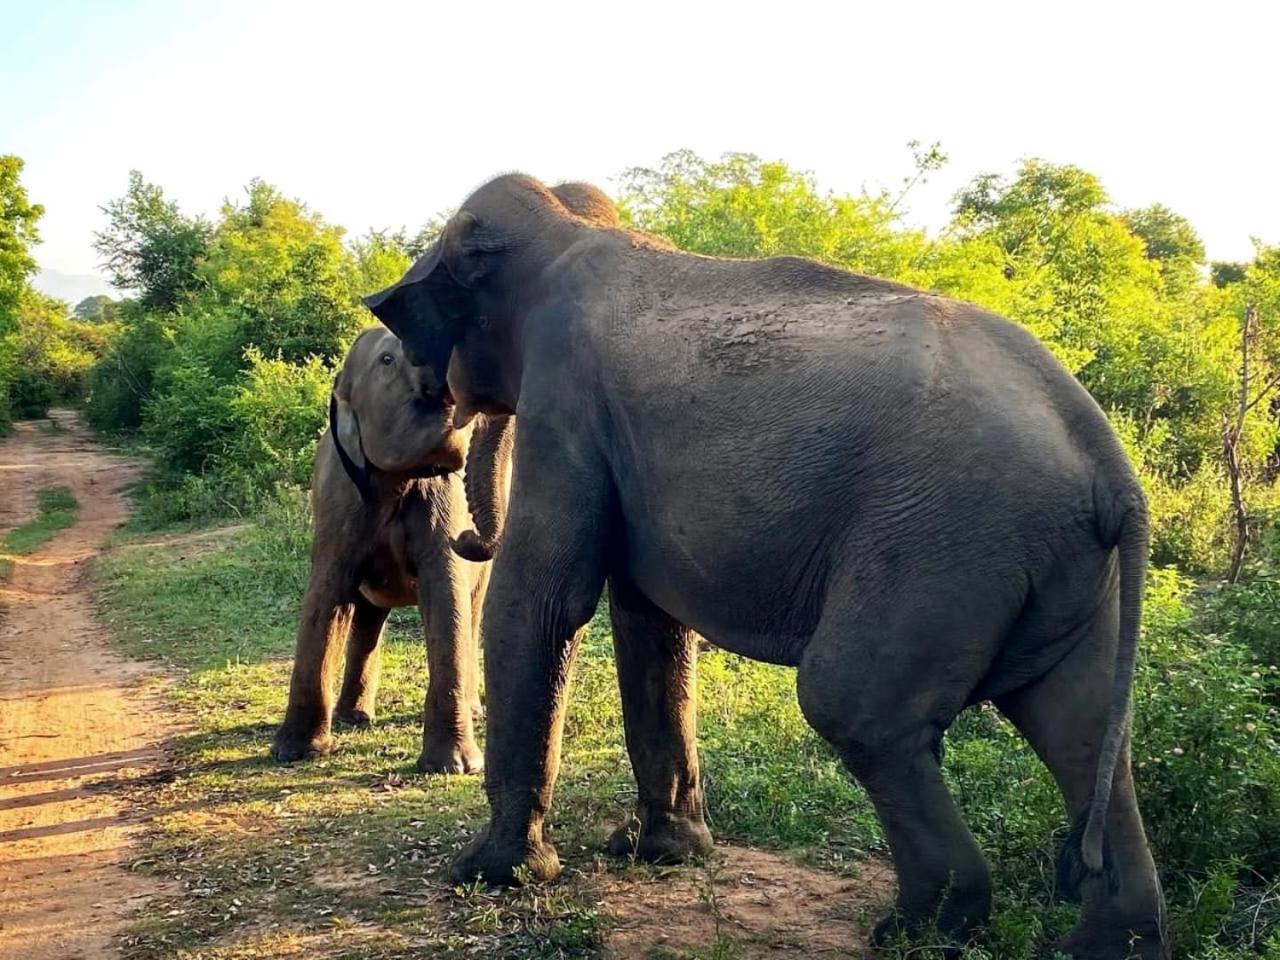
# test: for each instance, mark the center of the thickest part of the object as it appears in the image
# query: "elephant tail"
(1134, 544)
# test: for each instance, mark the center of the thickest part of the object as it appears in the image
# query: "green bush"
(226, 375)
(278, 411)
(49, 355)
(121, 382)
(1250, 614)
(187, 420)
(1207, 761)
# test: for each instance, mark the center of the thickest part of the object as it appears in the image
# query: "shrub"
(187, 421)
(1207, 761)
(278, 411)
(49, 355)
(122, 380)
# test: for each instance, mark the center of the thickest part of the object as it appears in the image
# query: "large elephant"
(389, 508)
(905, 497)
(389, 519)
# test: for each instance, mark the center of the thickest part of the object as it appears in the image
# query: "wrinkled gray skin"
(904, 497)
(384, 524)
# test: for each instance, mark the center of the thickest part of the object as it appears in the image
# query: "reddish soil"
(78, 723)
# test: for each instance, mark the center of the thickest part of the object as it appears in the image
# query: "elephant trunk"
(488, 460)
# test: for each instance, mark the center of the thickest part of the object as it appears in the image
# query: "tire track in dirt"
(77, 729)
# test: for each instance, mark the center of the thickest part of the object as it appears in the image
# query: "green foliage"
(45, 356)
(18, 234)
(226, 373)
(53, 355)
(97, 309)
(286, 274)
(1172, 242)
(151, 247)
(277, 413)
(1207, 738)
(124, 377)
(743, 206)
(1250, 611)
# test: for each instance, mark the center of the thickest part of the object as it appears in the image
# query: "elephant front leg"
(657, 675)
(364, 663)
(448, 736)
(324, 625)
(545, 584)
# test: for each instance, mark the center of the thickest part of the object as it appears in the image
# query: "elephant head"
(465, 341)
(384, 419)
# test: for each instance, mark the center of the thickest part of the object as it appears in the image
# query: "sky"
(383, 114)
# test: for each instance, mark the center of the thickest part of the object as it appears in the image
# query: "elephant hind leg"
(364, 664)
(880, 688)
(1063, 715)
(657, 661)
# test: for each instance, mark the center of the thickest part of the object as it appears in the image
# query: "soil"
(79, 725)
(766, 904)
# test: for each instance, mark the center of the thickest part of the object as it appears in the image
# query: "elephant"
(390, 510)
(384, 538)
(905, 497)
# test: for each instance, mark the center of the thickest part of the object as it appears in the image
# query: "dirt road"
(76, 725)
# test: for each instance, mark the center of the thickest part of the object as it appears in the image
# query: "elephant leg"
(478, 590)
(545, 583)
(880, 687)
(448, 738)
(364, 663)
(657, 674)
(1063, 715)
(326, 620)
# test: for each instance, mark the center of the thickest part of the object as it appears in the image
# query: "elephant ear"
(344, 427)
(427, 307)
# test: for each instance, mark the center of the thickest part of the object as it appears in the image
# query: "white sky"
(380, 114)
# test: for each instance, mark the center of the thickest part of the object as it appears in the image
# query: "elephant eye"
(388, 359)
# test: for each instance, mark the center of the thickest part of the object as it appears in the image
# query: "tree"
(151, 247)
(96, 309)
(18, 234)
(1257, 390)
(286, 277)
(53, 354)
(742, 206)
(1170, 241)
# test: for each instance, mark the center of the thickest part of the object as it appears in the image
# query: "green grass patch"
(347, 855)
(56, 511)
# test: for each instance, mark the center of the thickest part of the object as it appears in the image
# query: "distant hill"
(72, 287)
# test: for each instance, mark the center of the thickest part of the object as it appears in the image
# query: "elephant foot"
(505, 862)
(667, 839)
(289, 746)
(893, 932)
(954, 921)
(451, 757)
(1085, 943)
(353, 716)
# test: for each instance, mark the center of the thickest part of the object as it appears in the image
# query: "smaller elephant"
(391, 519)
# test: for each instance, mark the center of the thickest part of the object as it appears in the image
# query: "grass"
(56, 510)
(346, 856)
